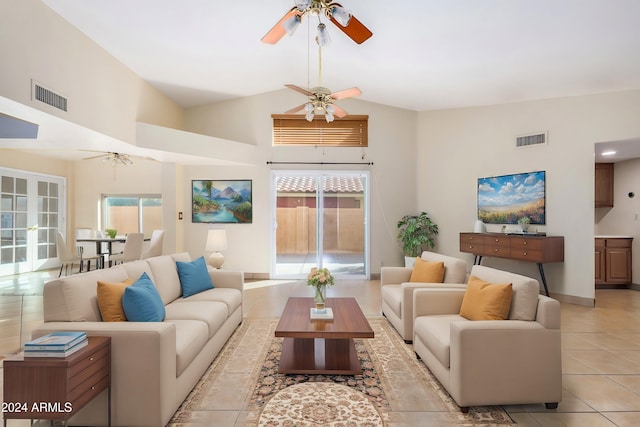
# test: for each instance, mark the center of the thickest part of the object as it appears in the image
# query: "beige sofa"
(492, 362)
(397, 291)
(154, 365)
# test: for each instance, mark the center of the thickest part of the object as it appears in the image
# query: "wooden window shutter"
(294, 129)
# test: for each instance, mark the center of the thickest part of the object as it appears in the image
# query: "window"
(294, 129)
(133, 213)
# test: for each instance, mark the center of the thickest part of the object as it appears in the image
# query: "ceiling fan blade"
(346, 93)
(338, 112)
(95, 157)
(355, 30)
(295, 109)
(277, 32)
(299, 89)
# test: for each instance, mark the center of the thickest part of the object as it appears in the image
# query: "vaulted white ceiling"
(424, 54)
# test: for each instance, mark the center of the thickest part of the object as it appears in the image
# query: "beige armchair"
(492, 362)
(397, 291)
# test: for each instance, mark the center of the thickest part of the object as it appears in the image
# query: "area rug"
(242, 388)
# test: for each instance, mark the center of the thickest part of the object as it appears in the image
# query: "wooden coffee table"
(321, 346)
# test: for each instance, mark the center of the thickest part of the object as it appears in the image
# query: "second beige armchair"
(397, 291)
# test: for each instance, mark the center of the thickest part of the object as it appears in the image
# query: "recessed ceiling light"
(608, 153)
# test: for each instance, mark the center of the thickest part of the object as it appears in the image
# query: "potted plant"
(416, 232)
(524, 223)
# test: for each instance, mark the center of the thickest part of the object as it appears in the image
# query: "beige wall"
(456, 147)
(103, 95)
(392, 136)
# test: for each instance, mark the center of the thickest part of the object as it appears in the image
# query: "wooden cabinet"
(604, 185)
(531, 248)
(55, 388)
(613, 261)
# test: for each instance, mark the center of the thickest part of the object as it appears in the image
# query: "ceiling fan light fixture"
(302, 4)
(342, 15)
(328, 116)
(292, 24)
(309, 115)
(323, 38)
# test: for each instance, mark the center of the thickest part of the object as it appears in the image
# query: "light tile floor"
(601, 345)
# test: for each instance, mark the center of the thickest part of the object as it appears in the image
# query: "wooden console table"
(52, 388)
(521, 247)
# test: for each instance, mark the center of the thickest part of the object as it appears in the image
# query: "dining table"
(100, 240)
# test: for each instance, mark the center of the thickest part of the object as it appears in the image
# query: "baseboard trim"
(572, 299)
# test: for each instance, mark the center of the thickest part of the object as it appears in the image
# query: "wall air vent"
(48, 96)
(529, 140)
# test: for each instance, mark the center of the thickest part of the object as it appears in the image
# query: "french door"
(31, 213)
(320, 220)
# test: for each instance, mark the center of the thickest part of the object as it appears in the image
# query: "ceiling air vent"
(529, 140)
(48, 96)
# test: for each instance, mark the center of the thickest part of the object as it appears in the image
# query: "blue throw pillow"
(141, 301)
(194, 277)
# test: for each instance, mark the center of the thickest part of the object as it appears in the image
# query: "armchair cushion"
(525, 290)
(427, 271)
(486, 301)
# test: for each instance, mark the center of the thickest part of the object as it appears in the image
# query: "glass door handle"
(34, 228)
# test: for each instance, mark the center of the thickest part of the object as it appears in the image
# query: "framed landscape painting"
(221, 201)
(507, 198)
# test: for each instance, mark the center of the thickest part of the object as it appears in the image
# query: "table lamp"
(216, 242)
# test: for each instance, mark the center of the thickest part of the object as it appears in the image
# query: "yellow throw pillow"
(427, 271)
(486, 301)
(110, 300)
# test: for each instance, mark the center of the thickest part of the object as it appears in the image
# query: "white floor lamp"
(216, 242)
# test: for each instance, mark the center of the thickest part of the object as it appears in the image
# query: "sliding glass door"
(31, 213)
(320, 220)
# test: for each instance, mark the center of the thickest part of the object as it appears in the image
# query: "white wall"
(621, 218)
(392, 136)
(456, 147)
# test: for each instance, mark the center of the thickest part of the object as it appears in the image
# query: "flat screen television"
(506, 198)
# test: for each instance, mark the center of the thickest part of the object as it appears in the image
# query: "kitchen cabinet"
(604, 185)
(613, 261)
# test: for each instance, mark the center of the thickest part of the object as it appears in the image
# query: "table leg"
(544, 279)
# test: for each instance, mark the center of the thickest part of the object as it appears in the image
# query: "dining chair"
(155, 245)
(67, 258)
(132, 249)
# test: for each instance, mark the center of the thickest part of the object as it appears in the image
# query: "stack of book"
(56, 344)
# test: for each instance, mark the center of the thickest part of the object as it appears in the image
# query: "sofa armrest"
(548, 314)
(394, 275)
(227, 279)
(143, 363)
(435, 301)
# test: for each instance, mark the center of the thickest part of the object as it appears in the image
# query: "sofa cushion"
(191, 337)
(435, 332)
(142, 303)
(392, 295)
(110, 300)
(194, 277)
(165, 274)
(455, 269)
(230, 296)
(427, 271)
(212, 313)
(74, 298)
